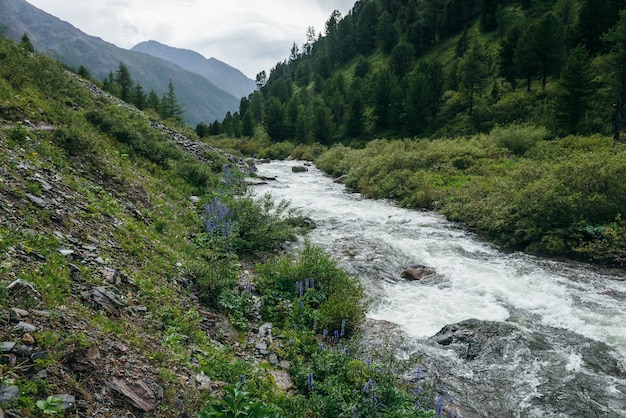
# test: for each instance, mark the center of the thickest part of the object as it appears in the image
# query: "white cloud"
(247, 34)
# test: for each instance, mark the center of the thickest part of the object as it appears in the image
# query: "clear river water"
(562, 349)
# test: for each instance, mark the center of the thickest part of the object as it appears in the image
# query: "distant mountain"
(203, 100)
(217, 72)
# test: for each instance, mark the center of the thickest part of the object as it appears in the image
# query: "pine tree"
(171, 106)
(27, 44)
(274, 119)
(124, 82)
(617, 60)
(575, 88)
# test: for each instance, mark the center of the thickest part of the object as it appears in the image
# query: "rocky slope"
(78, 321)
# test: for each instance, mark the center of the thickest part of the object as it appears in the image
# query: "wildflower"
(347, 351)
(369, 363)
(325, 333)
(336, 334)
(439, 408)
(287, 306)
(368, 386)
(301, 305)
(312, 283)
(321, 345)
(242, 379)
(310, 381)
(343, 327)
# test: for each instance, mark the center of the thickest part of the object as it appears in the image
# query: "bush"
(311, 281)
(518, 138)
(277, 150)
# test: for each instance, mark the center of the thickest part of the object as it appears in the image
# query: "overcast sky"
(250, 35)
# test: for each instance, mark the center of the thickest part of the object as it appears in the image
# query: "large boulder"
(415, 273)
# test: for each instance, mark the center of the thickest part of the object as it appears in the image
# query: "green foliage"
(511, 185)
(50, 406)
(277, 151)
(18, 134)
(236, 402)
(337, 296)
(518, 138)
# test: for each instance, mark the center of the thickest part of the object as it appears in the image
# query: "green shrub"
(18, 134)
(518, 138)
(213, 275)
(75, 141)
(308, 152)
(294, 289)
(277, 150)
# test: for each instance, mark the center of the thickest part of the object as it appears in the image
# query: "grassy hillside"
(137, 276)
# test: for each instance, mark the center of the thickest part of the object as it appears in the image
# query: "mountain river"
(547, 338)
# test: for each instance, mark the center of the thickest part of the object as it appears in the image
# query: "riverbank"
(544, 330)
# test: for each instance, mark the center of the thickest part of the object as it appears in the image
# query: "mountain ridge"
(227, 77)
(204, 101)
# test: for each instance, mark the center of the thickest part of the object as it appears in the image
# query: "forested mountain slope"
(392, 68)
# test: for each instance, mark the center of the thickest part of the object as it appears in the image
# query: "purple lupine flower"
(321, 345)
(242, 379)
(369, 364)
(312, 283)
(287, 306)
(325, 333)
(301, 289)
(368, 386)
(339, 347)
(439, 408)
(347, 351)
(343, 327)
(307, 282)
(310, 381)
(336, 334)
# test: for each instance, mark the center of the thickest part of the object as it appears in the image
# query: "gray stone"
(25, 326)
(273, 359)
(23, 350)
(282, 379)
(37, 200)
(22, 313)
(23, 291)
(203, 382)
(194, 199)
(68, 401)
(40, 355)
(65, 251)
(8, 393)
(417, 273)
(299, 169)
(7, 346)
